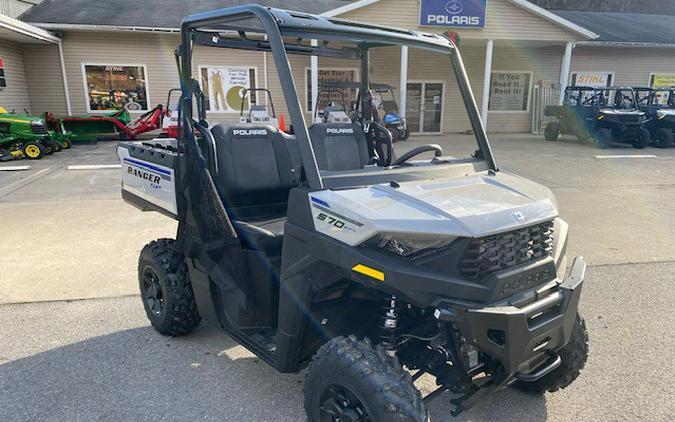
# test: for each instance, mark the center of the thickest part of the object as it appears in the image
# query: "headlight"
(408, 245)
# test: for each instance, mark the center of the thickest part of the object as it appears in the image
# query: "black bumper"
(526, 337)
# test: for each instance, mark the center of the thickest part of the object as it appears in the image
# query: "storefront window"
(510, 91)
(328, 94)
(224, 87)
(113, 87)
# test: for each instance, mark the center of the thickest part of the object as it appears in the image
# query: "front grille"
(506, 250)
(39, 129)
(631, 118)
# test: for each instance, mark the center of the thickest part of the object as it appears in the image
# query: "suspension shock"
(388, 334)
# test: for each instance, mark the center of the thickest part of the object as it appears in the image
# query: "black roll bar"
(306, 27)
(280, 57)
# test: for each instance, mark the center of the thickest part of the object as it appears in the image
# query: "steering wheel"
(438, 151)
(383, 143)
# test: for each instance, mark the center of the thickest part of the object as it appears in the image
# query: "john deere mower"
(23, 134)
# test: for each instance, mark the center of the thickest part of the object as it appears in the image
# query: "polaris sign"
(457, 13)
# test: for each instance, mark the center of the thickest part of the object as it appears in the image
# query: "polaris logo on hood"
(343, 131)
(249, 132)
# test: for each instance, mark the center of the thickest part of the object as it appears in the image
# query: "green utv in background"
(27, 134)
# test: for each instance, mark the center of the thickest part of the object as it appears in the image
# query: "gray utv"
(320, 250)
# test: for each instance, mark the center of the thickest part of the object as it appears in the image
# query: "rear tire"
(603, 138)
(644, 140)
(33, 150)
(574, 356)
(552, 132)
(166, 290)
(66, 144)
(663, 138)
(353, 380)
(57, 146)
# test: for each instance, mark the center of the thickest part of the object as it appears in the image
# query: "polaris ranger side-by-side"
(321, 249)
(659, 105)
(605, 115)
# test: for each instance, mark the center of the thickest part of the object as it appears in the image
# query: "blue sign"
(459, 13)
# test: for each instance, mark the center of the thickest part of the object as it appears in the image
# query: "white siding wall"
(504, 20)
(631, 66)
(43, 71)
(14, 8)
(15, 96)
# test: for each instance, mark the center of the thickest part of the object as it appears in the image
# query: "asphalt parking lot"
(75, 343)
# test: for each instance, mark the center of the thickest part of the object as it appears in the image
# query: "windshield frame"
(206, 29)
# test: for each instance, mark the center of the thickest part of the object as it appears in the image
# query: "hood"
(473, 206)
(615, 111)
(665, 113)
(17, 118)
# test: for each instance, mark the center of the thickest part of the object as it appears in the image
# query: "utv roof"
(255, 19)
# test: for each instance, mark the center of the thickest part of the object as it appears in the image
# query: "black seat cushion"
(264, 236)
(339, 146)
(255, 172)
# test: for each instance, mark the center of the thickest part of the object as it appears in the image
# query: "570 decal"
(331, 220)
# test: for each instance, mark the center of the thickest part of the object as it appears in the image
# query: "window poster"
(509, 91)
(224, 87)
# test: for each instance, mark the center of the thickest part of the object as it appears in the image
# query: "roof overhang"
(17, 31)
(81, 27)
(539, 11)
(625, 44)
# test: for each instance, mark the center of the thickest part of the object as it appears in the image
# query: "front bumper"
(525, 335)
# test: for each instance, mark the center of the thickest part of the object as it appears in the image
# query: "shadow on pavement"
(137, 374)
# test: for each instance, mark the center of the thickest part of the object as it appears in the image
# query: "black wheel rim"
(340, 404)
(152, 291)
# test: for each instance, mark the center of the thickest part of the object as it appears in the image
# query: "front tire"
(603, 138)
(66, 144)
(33, 150)
(644, 140)
(663, 138)
(574, 356)
(166, 290)
(357, 381)
(552, 132)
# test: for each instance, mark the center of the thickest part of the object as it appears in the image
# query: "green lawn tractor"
(27, 135)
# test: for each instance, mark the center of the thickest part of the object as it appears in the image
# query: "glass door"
(425, 107)
(433, 107)
(413, 110)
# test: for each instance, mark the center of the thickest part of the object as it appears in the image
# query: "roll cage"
(601, 97)
(647, 96)
(279, 32)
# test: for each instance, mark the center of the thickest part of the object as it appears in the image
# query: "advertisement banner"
(453, 13)
(662, 80)
(591, 79)
(509, 91)
(224, 87)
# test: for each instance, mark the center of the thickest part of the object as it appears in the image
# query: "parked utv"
(25, 135)
(320, 250)
(605, 115)
(388, 108)
(659, 105)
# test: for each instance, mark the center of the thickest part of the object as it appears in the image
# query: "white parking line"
(14, 168)
(604, 157)
(95, 167)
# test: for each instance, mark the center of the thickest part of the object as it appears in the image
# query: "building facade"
(518, 57)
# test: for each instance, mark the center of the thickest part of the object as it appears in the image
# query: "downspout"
(69, 109)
